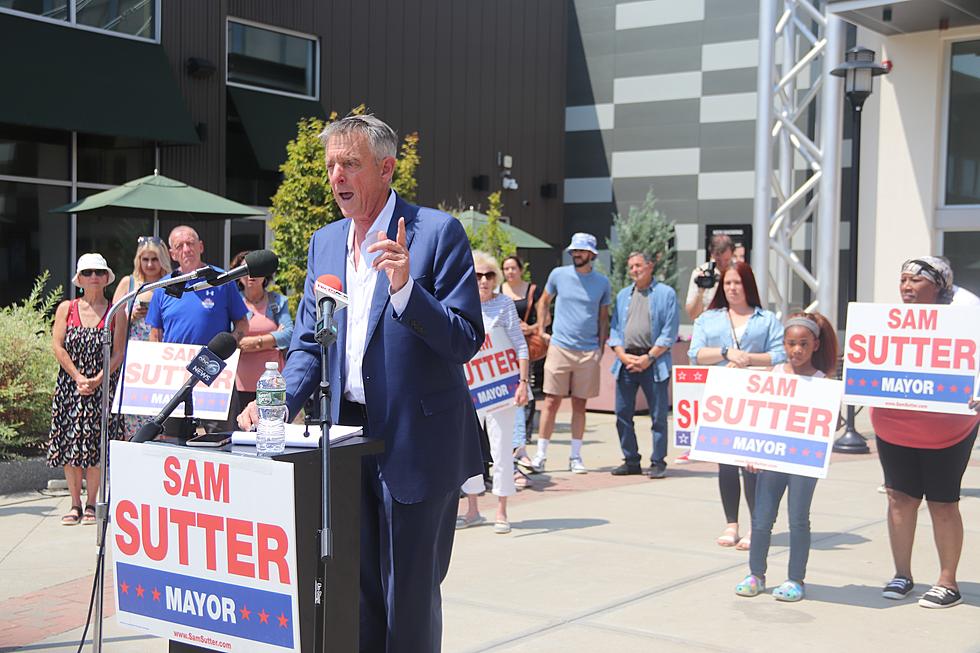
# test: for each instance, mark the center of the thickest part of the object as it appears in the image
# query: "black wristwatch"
(724, 352)
(651, 357)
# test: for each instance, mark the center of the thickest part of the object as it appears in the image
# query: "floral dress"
(76, 421)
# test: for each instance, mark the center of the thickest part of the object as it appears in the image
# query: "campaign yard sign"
(494, 373)
(911, 356)
(204, 550)
(779, 422)
(155, 371)
(687, 387)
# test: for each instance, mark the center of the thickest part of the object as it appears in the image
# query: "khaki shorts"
(567, 371)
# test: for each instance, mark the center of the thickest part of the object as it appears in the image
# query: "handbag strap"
(530, 303)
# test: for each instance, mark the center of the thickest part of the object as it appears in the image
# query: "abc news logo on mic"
(206, 366)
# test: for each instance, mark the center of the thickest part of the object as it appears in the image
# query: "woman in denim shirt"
(736, 332)
(270, 328)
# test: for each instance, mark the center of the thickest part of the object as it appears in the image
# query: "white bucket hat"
(583, 241)
(92, 261)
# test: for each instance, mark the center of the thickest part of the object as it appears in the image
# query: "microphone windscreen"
(261, 263)
(332, 281)
(223, 345)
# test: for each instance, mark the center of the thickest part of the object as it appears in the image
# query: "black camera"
(707, 278)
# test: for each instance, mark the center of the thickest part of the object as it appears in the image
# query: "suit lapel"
(381, 295)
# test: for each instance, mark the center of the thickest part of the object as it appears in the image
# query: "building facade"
(209, 93)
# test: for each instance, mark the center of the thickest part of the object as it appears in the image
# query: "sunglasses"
(489, 276)
(97, 273)
(143, 240)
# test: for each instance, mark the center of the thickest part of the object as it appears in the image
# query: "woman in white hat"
(76, 409)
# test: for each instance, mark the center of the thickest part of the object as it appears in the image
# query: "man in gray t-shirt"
(580, 327)
(644, 328)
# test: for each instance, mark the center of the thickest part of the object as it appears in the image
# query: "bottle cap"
(272, 365)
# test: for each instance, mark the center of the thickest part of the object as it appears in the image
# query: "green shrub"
(28, 371)
(643, 229)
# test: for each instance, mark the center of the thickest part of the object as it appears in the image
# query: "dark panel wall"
(473, 77)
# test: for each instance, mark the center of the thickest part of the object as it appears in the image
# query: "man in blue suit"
(396, 369)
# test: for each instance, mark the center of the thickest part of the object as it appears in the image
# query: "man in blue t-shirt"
(196, 316)
(581, 324)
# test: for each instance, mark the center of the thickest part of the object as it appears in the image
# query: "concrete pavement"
(593, 562)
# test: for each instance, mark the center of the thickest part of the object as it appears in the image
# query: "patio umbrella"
(158, 193)
(522, 239)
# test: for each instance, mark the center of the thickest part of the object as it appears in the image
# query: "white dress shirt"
(362, 279)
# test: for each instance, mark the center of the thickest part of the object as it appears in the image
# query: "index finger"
(401, 231)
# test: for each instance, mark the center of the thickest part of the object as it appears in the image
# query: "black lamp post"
(858, 70)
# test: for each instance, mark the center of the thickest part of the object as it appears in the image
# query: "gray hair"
(483, 258)
(646, 257)
(382, 139)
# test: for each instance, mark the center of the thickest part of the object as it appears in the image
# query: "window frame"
(281, 30)
(71, 22)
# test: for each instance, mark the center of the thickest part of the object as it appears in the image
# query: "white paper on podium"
(295, 435)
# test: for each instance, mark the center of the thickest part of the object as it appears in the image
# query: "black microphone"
(260, 263)
(206, 367)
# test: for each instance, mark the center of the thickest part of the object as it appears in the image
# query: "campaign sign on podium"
(911, 356)
(155, 371)
(780, 422)
(204, 547)
(687, 388)
(494, 373)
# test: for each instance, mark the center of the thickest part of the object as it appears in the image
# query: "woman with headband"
(924, 454)
(811, 350)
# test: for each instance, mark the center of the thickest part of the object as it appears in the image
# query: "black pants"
(731, 491)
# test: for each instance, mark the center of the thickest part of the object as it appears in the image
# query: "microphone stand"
(325, 336)
(101, 508)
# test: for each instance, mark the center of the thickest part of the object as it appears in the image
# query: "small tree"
(304, 202)
(490, 236)
(27, 370)
(643, 229)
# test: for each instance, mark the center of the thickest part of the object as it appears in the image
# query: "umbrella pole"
(156, 223)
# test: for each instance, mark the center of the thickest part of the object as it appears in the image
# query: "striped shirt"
(500, 311)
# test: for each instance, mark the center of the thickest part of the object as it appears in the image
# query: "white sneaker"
(576, 466)
(538, 463)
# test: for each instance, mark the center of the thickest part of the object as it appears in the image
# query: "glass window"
(113, 160)
(28, 152)
(113, 237)
(963, 140)
(273, 60)
(135, 17)
(247, 235)
(961, 248)
(54, 9)
(31, 239)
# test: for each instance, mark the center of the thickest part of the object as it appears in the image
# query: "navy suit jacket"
(416, 395)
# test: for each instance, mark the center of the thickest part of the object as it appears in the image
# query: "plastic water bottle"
(270, 399)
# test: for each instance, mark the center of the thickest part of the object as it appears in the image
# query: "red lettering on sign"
(239, 548)
(128, 539)
(687, 413)
(184, 519)
(153, 551)
(924, 319)
(215, 486)
(272, 555)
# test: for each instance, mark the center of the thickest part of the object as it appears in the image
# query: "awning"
(270, 122)
(60, 77)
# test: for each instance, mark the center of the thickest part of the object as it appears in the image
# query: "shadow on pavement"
(543, 526)
(824, 541)
(38, 511)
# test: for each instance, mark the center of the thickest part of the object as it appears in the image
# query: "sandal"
(744, 544)
(89, 516)
(728, 538)
(501, 527)
(73, 517)
(751, 586)
(463, 522)
(520, 481)
(790, 591)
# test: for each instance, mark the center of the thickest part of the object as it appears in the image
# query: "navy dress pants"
(405, 551)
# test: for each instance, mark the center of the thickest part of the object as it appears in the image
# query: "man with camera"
(705, 278)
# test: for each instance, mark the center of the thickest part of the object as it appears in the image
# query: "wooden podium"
(342, 591)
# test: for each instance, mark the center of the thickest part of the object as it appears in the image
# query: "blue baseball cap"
(583, 241)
